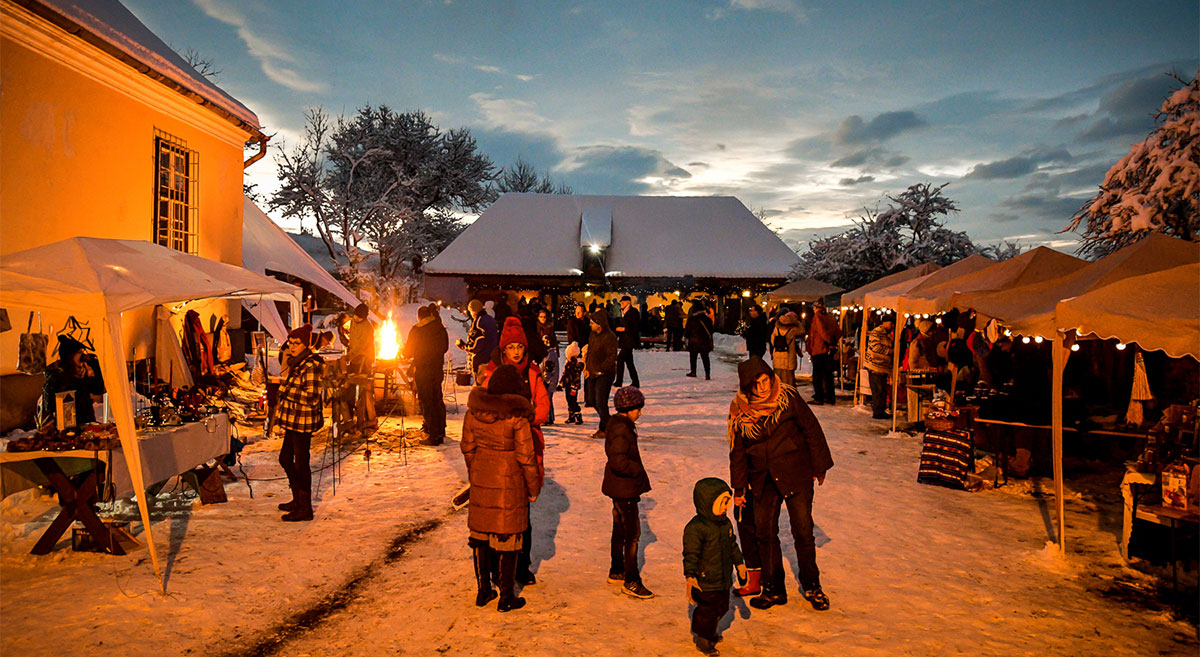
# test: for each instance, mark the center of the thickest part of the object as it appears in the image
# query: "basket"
(939, 422)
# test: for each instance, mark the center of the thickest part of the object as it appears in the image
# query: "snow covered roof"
(111, 27)
(652, 237)
(809, 289)
(1029, 309)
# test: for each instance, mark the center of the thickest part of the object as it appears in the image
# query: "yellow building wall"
(77, 158)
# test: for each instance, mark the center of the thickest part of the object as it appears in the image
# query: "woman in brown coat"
(497, 444)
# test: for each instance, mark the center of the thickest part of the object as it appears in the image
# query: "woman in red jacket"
(514, 350)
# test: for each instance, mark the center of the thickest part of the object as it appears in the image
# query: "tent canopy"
(889, 297)
(856, 296)
(1033, 266)
(1160, 310)
(651, 237)
(1029, 309)
(808, 289)
(95, 276)
(265, 246)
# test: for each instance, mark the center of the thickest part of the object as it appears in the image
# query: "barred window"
(176, 214)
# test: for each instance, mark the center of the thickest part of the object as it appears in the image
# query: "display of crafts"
(94, 436)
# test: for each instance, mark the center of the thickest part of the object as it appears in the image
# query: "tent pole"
(1059, 358)
(895, 378)
(842, 350)
(862, 351)
(116, 378)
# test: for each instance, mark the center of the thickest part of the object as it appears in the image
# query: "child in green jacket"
(709, 555)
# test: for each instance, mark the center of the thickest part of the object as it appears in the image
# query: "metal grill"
(176, 210)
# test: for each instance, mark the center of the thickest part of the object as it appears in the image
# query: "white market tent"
(1033, 266)
(856, 296)
(890, 296)
(99, 279)
(808, 289)
(265, 246)
(547, 235)
(1165, 315)
(1032, 310)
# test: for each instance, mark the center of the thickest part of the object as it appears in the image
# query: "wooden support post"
(1059, 361)
(896, 376)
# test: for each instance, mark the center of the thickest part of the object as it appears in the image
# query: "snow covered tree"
(522, 176)
(393, 180)
(906, 234)
(1155, 187)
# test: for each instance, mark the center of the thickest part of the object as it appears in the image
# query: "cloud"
(510, 113)
(789, 7)
(853, 130)
(870, 157)
(505, 146)
(846, 182)
(488, 69)
(1085, 179)
(618, 170)
(276, 62)
(1128, 109)
(1048, 207)
(1021, 165)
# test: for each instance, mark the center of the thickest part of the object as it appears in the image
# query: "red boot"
(753, 583)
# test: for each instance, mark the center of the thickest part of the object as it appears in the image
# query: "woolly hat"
(69, 346)
(628, 399)
(573, 350)
(475, 306)
(504, 381)
(600, 317)
(925, 326)
(512, 332)
(303, 334)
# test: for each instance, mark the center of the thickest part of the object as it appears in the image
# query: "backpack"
(779, 341)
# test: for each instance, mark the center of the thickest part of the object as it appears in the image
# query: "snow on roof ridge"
(114, 25)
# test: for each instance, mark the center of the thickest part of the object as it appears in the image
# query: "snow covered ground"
(910, 569)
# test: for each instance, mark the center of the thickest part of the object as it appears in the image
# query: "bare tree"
(522, 176)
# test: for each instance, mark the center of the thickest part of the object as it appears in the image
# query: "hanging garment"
(1141, 391)
(221, 345)
(196, 347)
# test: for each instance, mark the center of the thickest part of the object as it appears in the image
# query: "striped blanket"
(946, 458)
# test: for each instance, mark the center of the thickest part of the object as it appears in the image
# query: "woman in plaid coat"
(299, 413)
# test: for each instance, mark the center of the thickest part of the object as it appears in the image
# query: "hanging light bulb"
(1075, 347)
(938, 320)
(1038, 339)
(1120, 346)
(1025, 339)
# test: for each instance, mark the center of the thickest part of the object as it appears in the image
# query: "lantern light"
(587, 294)
(595, 248)
(745, 293)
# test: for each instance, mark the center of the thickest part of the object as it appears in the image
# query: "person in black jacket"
(756, 331)
(673, 320)
(625, 481)
(578, 327)
(426, 345)
(777, 451)
(699, 337)
(628, 339)
(600, 365)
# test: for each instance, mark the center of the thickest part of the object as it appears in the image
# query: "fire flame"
(389, 339)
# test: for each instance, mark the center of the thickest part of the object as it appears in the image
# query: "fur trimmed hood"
(493, 408)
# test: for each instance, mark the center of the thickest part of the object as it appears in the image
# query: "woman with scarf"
(514, 348)
(777, 450)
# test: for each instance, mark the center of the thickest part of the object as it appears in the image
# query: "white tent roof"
(889, 297)
(857, 295)
(652, 236)
(97, 276)
(266, 246)
(108, 24)
(808, 289)
(1157, 311)
(1029, 309)
(1033, 266)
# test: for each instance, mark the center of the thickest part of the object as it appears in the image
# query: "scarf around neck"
(745, 413)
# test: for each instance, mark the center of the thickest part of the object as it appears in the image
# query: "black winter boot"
(508, 572)
(290, 505)
(483, 575)
(303, 510)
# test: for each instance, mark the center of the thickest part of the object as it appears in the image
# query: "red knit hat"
(303, 334)
(513, 332)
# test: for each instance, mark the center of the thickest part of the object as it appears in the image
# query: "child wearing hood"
(570, 383)
(709, 556)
